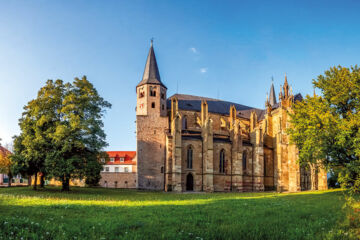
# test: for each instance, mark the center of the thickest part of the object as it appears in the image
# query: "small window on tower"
(163, 107)
(162, 95)
(141, 92)
(153, 105)
(152, 91)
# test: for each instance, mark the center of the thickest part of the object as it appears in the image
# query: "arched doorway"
(189, 182)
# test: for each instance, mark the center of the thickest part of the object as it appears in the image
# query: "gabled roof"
(151, 73)
(193, 103)
(124, 154)
(129, 157)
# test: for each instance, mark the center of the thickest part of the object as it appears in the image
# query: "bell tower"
(151, 92)
(151, 125)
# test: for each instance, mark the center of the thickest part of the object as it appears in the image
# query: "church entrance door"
(189, 182)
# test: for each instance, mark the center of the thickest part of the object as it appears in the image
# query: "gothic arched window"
(189, 157)
(184, 123)
(244, 160)
(222, 161)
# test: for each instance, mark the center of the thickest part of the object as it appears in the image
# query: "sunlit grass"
(95, 213)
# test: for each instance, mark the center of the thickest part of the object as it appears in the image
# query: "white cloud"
(194, 50)
(203, 70)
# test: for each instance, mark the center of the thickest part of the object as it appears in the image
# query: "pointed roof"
(286, 87)
(151, 72)
(272, 98)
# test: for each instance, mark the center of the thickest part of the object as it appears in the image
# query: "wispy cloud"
(194, 50)
(203, 70)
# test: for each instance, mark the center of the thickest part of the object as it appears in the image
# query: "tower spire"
(151, 73)
(272, 98)
(286, 87)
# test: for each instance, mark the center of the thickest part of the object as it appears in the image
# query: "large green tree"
(326, 128)
(37, 125)
(62, 132)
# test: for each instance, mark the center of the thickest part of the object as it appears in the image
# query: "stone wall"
(151, 147)
(222, 181)
(271, 161)
(118, 180)
(196, 170)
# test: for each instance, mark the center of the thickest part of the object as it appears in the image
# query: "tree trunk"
(42, 181)
(29, 181)
(65, 183)
(35, 181)
(10, 176)
(9, 183)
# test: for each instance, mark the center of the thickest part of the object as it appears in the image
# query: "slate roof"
(193, 103)
(298, 97)
(151, 73)
(272, 98)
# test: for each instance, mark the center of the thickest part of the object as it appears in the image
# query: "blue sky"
(225, 49)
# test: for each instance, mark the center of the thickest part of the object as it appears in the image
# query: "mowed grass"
(96, 213)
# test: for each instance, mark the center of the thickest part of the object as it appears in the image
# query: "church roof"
(298, 97)
(4, 151)
(151, 73)
(193, 103)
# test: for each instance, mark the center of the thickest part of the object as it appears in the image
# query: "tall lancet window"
(189, 157)
(184, 123)
(222, 161)
(244, 160)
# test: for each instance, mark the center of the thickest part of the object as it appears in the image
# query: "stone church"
(191, 143)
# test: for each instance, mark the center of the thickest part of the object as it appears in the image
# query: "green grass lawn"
(96, 213)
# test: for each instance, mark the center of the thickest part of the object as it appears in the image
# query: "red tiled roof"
(127, 155)
(4, 150)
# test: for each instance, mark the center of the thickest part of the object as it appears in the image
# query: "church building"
(191, 143)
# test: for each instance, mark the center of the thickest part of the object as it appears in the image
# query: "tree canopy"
(62, 132)
(326, 128)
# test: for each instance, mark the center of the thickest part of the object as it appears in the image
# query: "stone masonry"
(190, 143)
